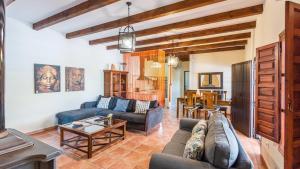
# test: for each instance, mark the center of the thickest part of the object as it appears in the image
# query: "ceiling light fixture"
(127, 39)
(172, 59)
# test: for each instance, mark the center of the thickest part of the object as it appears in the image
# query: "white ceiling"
(31, 11)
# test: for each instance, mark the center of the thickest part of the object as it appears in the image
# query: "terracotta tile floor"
(135, 151)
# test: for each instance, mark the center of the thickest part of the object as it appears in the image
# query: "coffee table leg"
(61, 137)
(90, 147)
(124, 132)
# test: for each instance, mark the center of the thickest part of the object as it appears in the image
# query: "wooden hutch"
(115, 83)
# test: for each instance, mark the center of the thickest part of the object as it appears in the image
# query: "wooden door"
(267, 109)
(240, 107)
(292, 87)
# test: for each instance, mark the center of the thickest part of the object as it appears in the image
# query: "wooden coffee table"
(93, 135)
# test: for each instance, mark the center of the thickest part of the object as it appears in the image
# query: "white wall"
(178, 81)
(215, 62)
(27, 111)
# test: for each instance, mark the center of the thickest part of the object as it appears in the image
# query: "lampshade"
(126, 41)
(173, 61)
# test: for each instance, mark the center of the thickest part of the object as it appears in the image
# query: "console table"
(39, 156)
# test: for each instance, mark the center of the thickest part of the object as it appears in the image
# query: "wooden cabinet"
(241, 114)
(115, 83)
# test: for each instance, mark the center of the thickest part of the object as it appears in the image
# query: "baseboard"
(42, 130)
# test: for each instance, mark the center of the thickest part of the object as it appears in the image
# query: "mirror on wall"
(211, 80)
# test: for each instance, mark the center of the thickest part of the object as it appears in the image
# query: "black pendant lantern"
(126, 42)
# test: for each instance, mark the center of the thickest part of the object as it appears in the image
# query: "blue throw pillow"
(121, 105)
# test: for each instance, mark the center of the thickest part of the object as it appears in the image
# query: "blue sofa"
(143, 122)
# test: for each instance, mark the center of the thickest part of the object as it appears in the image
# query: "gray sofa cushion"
(133, 117)
(217, 118)
(116, 114)
(221, 146)
(176, 149)
(73, 115)
(181, 136)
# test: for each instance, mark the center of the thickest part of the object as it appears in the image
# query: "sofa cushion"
(121, 105)
(141, 107)
(217, 117)
(176, 149)
(221, 146)
(153, 104)
(181, 136)
(200, 126)
(133, 117)
(112, 102)
(74, 115)
(194, 147)
(104, 102)
(116, 114)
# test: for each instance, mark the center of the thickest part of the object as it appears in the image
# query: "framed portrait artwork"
(74, 79)
(46, 78)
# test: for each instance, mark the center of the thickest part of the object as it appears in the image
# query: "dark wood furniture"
(93, 136)
(115, 83)
(39, 156)
(209, 76)
(241, 102)
(267, 92)
(292, 87)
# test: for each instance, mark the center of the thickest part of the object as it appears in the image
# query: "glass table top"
(91, 125)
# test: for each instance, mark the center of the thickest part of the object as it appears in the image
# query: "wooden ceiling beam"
(144, 16)
(72, 12)
(235, 14)
(206, 32)
(198, 42)
(209, 46)
(8, 2)
(224, 49)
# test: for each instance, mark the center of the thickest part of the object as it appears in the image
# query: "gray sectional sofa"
(143, 122)
(172, 155)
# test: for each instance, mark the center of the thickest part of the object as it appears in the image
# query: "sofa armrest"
(153, 117)
(188, 124)
(88, 105)
(167, 161)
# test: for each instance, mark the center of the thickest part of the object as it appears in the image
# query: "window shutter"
(267, 92)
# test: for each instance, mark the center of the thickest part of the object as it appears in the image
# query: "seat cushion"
(116, 114)
(181, 136)
(73, 115)
(221, 146)
(176, 149)
(133, 117)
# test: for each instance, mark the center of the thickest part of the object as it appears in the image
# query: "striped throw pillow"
(141, 107)
(104, 102)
